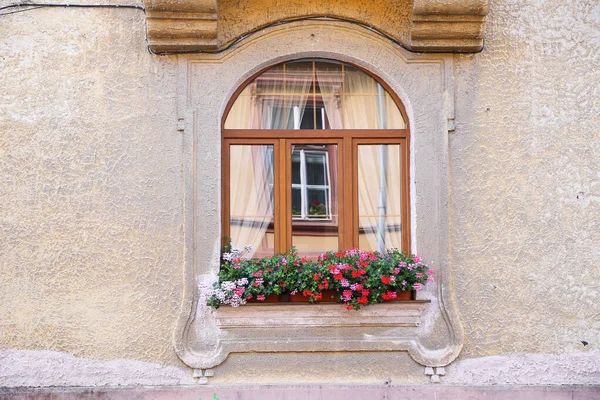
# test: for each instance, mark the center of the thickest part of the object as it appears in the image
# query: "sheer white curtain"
(379, 197)
(329, 79)
(251, 197)
(298, 83)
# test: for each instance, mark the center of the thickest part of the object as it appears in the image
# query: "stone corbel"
(180, 26)
(448, 25)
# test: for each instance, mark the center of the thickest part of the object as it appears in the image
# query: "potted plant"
(354, 277)
(398, 276)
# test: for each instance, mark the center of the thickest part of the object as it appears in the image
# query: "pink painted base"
(347, 392)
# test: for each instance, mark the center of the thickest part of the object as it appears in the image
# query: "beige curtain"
(251, 199)
(379, 197)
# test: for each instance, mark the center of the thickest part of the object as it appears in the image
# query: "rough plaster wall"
(90, 172)
(525, 169)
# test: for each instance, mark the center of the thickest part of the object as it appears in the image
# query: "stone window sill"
(287, 315)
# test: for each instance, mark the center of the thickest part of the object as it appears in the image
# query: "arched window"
(316, 156)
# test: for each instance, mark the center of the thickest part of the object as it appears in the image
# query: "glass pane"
(323, 94)
(318, 203)
(316, 173)
(251, 198)
(315, 226)
(296, 202)
(379, 197)
(296, 167)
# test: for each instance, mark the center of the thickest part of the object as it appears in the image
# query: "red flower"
(318, 296)
(348, 306)
(316, 277)
(297, 263)
(386, 280)
(362, 300)
(306, 293)
(365, 292)
(338, 254)
(355, 274)
(389, 295)
(316, 203)
(339, 277)
(364, 264)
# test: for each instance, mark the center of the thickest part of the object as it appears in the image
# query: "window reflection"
(314, 198)
(314, 94)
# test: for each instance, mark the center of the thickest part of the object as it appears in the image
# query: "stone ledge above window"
(178, 26)
(289, 315)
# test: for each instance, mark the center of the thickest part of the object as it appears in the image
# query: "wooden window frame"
(347, 140)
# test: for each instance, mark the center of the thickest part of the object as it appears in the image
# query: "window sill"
(286, 315)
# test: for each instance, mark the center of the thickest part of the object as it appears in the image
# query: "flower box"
(354, 277)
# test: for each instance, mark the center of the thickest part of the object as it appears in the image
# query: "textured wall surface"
(525, 168)
(90, 172)
(91, 242)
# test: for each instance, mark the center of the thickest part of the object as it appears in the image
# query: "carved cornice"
(448, 25)
(178, 26)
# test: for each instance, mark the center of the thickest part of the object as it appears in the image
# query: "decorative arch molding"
(429, 331)
(179, 26)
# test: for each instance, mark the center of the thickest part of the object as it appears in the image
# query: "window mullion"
(303, 189)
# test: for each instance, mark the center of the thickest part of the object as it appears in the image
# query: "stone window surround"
(429, 331)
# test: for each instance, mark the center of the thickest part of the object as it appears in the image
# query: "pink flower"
(403, 283)
(430, 272)
(396, 271)
(260, 297)
(418, 286)
(411, 267)
(294, 292)
(419, 275)
(284, 261)
(258, 282)
(344, 283)
(239, 291)
(257, 274)
(416, 259)
(402, 264)
(430, 279)
(347, 295)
